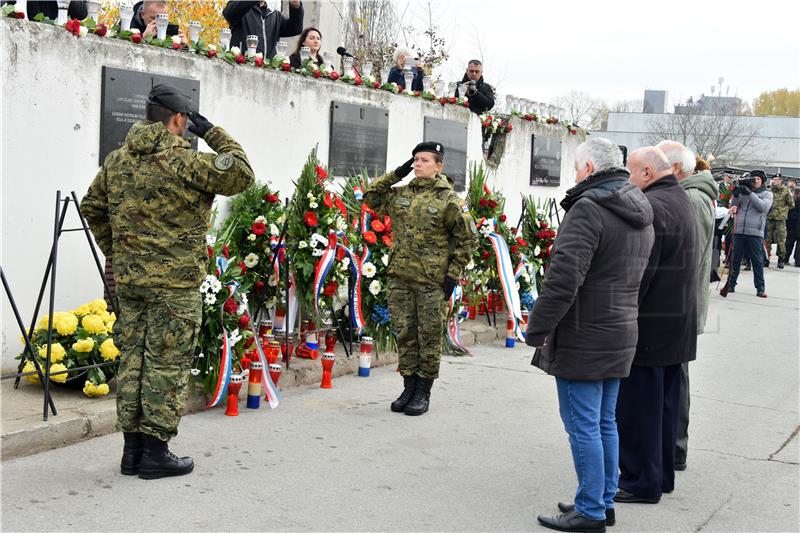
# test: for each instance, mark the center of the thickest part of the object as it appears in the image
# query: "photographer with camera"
(750, 205)
(479, 93)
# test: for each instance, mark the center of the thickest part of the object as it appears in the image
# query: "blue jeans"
(748, 247)
(588, 411)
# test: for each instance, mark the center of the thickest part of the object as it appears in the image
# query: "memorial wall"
(59, 117)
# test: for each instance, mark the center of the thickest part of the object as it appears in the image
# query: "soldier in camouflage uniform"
(782, 202)
(149, 208)
(434, 240)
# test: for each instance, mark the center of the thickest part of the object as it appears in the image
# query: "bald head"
(648, 165)
(680, 158)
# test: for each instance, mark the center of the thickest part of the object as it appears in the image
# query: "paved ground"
(490, 455)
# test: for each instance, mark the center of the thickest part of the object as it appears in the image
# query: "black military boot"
(409, 382)
(158, 461)
(131, 453)
(422, 397)
(780, 262)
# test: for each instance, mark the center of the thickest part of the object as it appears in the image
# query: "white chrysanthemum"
(176, 39)
(341, 224)
(317, 252)
(302, 244)
(470, 265)
(369, 270)
(241, 309)
(205, 286)
(244, 298)
(251, 260)
(235, 337)
(216, 285)
(252, 237)
(375, 287)
(310, 196)
(313, 205)
(273, 230)
(537, 251)
(385, 260)
(346, 263)
(210, 299)
(84, 31)
(195, 371)
(211, 240)
(236, 51)
(261, 219)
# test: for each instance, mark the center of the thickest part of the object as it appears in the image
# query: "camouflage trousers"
(156, 332)
(418, 318)
(776, 234)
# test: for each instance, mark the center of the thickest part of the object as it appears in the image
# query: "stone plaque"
(453, 136)
(123, 99)
(545, 161)
(359, 139)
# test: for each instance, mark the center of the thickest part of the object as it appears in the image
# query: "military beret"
(436, 148)
(167, 96)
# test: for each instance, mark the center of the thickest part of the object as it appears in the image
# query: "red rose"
(466, 104)
(483, 202)
(212, 53)
(260, 286)
(452, 100)
(376, 85)
(249, 342)
(503, 217)
(259, 61)
(330, 289)
(509, 127)
(387, 241)
(100, 30)
(334, 75)
(136, 38)
(230, 306)
(573, 132)
(18, 15)
(514, 249)
(485, 124)
(240, 59)
(259, 228)
(286, 67)
(225, 251)
(317, 73)
(242, 268)
(377, 225)
(176, 46)
(73, 26)
(358, 82)
(528, 117)
(485, 255)
(370, 237)
(399, 89)
(327, 200)
(442, 100)
(210, 251)
(310, 219)
(492, 204)
(244, 321)
(321, 173)
(522, 242)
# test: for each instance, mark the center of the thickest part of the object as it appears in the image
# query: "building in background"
(655, 101)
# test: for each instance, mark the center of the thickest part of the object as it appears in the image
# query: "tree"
(728, 138)
(581, 108)
(181, 12)
(371, 30)
(781, 102)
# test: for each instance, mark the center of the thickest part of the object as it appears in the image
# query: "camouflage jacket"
(150, 205)
(434, 232)
(782, 202)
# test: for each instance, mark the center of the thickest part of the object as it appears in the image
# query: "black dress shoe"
(623, 496)
(611, 517)
(680, 467)
(572, 521)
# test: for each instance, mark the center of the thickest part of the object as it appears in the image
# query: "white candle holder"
(426, 83)
(281, 48)
(93, 10)
(225, 39)
(252, 45)
(366, 69)
(125, 15)
(327, 58)
(162, 21)
(194, 31)
(347, 64)
(63, 7)
(385, 74)
(305, 54)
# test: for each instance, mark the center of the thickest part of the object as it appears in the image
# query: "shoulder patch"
(465, 208)
(223, 162)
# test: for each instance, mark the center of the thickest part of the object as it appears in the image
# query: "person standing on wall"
(254, 17)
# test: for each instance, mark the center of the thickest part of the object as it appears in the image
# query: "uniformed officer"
(149, 208)
(434, 240)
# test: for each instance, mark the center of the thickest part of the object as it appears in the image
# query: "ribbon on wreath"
(453, 330)
(272, 390)
(356, 315)
(505, 271)
(226, 357)
(323, 267)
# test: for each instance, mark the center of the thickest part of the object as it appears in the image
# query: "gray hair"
(402, 50)
(602, 153)
(678, 153)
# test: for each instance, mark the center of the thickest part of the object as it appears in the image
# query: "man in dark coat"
(479, 93)
(249, 17)
(647, 407)
(49, 8)
(584, 322)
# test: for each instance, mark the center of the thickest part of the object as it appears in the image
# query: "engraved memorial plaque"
(359, 139)
(123, 100)
(453, 136)
(545, 161)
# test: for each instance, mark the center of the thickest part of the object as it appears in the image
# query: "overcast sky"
(615, 49)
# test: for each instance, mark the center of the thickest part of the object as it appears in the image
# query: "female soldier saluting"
(434, 240)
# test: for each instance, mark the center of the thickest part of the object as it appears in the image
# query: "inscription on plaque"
(545, 161)
(123, 100)
(359, 139)
(453, 136)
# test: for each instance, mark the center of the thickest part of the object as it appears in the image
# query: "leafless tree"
(371, 29)
(581, 108)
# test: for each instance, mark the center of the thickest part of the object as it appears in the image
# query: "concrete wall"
(51, 85)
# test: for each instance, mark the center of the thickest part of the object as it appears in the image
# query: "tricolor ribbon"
(322, 268)
(356, 314)
(453, 330)
(226, 357)
(505, 271)
(266, 380)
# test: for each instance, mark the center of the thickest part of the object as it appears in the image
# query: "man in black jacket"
(479, 93)
(647, 407)
(77, 10)
(584, 322)
(249, 17)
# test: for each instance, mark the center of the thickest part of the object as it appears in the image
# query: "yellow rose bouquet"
(81, 337)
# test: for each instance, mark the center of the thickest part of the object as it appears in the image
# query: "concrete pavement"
(489, 456)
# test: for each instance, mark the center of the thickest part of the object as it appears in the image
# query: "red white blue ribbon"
(453, 330)
(505, 271)
(356, 314)
(322, 268)
(266, 380)
(226, 357)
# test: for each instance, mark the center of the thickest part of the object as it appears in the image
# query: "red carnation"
(259, 228)
(244, 321)
(310, 219)
(330, 289)
(225, 251)
(100, 30)
(136, 38)
(176, 46)
(340, 206)
(370, 237)
(485, 255)
(492, 204)
(212, 53)
(483, 202)
(377, 225)
(242, 268)
(522, 242)
(259, 61)
(321, 173)
(387, 241)
(387, 222)
(376, 85)
(514, 249)
(503, 217)
(286, 67)
(230, 306)
(542, 224)
(260, 286)
(210, 251)
(327, 200)
(334, 75)
(271, 198)
(240, 59)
